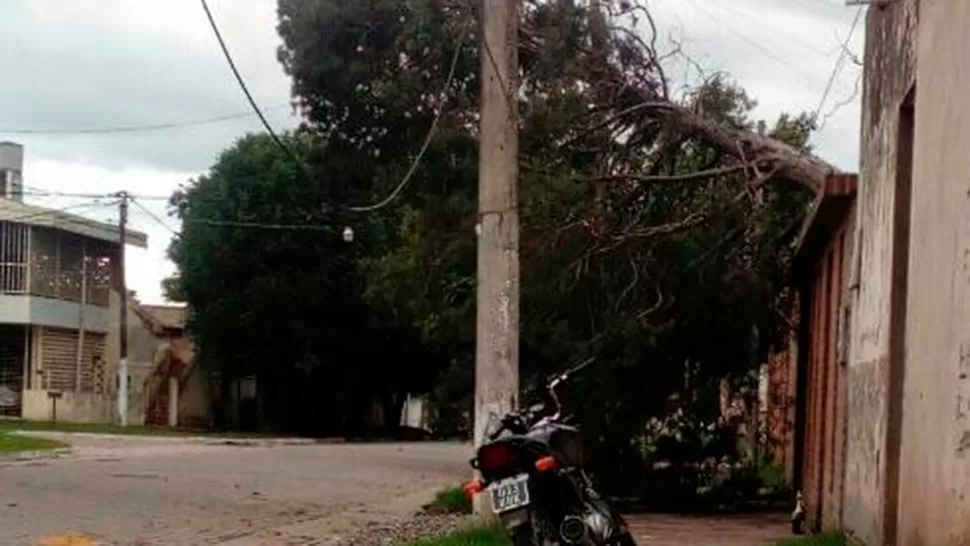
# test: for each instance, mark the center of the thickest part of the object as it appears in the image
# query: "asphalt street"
(152, 491)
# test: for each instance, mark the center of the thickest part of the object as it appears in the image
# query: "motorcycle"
(531, 467)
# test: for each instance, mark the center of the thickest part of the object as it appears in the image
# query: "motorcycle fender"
(512, 520)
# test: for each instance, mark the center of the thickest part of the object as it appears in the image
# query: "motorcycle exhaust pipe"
(573, 530)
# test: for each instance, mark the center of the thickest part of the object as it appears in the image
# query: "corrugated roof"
(22, 213)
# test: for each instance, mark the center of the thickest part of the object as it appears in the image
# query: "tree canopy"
(656, 225)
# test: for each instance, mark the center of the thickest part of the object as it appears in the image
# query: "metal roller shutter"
(59, 358)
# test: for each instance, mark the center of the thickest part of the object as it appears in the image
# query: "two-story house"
(58, 284)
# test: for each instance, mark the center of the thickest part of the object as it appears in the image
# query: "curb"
(251, 442)
(202, 440)
(25, 456)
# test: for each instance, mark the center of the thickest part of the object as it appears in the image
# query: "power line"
(154, 217)
(133, 128)
(414, 164)
(135, 198)
(41, 192)
(233, 223)
(726, 6)
(45, 193)
(838, 65)
(245, 89)
(424, 147)
(740, 34)
(50, 212)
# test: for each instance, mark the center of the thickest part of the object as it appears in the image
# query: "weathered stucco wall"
(935, 454)
(890, 71)
(142, 345)
(75, 407)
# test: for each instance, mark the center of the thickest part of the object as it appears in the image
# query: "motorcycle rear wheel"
(524, 535)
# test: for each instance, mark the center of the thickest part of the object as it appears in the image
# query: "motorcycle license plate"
(510, 494)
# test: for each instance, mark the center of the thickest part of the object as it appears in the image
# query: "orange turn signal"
(544, 464)
(473, 488)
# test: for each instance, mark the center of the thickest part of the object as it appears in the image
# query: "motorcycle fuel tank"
(564, 441)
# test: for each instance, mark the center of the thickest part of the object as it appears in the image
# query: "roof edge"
(831, 206)
(33, 215)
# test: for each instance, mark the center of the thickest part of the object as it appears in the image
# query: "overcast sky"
(90, 64)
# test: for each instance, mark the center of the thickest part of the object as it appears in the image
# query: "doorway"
(13, 357)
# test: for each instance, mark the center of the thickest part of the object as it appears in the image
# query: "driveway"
(149, 491)
(724, 530)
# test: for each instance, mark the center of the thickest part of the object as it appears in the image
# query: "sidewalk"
(728, 530)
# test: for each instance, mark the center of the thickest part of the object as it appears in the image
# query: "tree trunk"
(769, 155)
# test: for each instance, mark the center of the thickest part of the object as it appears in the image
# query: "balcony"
(47, 263)
(54, 277)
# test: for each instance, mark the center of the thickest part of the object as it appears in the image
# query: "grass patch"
(490, 536)
(824, 539)
(14, 443)
(103, 428)
(450, 501)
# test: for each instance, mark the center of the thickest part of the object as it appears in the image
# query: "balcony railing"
(54, 264)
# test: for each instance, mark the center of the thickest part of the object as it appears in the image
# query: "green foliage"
(489, 536)
(15, 443)
(773, 477)
(289, 305)
(824, 539)
(450, 501)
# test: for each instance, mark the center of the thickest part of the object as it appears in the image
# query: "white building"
(58, 283)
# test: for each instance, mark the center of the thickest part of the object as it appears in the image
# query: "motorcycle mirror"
(566, 375)
(582, 365)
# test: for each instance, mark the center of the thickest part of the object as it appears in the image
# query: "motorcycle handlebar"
(516, 418)
(572, 371)
(563, 377)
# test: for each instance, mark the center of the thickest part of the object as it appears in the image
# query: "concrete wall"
(77, 407)
(142, 348)
(102, 407)
(934, 489)
(24, 309)
(415, 413)
(890, 59)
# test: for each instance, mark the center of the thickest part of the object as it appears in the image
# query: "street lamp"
(348, 234)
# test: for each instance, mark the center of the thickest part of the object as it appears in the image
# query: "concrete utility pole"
(123, 319)
(497, 335)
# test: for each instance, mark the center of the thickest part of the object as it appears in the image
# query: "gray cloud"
(88, 63)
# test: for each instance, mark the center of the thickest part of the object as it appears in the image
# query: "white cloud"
(97, 63)
(146, 268)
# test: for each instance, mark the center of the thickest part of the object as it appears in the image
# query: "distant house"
(177, 392)
(58, 306)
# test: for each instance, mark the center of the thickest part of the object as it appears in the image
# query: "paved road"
(183, 492)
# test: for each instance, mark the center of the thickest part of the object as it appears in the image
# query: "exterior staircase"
(176, 362)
